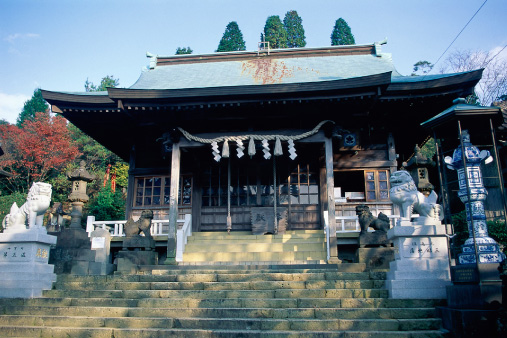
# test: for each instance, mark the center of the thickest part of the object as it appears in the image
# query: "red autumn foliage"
(35, 150)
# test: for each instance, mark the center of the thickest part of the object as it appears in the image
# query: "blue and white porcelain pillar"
(466, 160)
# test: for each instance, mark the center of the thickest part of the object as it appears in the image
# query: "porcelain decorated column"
(467, 158)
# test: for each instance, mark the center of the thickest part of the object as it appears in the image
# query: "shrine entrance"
(255, 183)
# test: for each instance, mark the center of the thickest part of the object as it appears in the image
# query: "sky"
(59, 44)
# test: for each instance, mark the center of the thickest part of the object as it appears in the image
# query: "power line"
(501, 50)
(457, 36)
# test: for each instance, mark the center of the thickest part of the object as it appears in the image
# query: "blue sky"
(58, 44)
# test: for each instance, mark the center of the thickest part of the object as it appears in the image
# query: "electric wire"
(457, 36)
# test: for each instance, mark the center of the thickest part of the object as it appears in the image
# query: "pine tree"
(107, 81)
(342, 35)
(275, 33)
(232, 40)
(184, 50)
(295, 32)
(36, 104)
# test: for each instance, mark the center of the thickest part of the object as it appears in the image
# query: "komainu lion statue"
(143, 224)
(404, 194)
(32, 212)
(366, 219)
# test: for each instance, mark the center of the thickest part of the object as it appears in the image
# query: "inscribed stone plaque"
(464, 274)
(424, 247)
(263, 220)
(98, 243)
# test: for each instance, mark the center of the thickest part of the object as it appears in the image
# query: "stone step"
(362, 299)
(242, 299)
(224, 323)
(65, 332)
(220, 276)
(253, 256)
(227, 301)
(223, 312)
(219, 292)
(239, 267)
(249, 235)
(200, 294)
(214, 286)
(262, 240)
(254, 247)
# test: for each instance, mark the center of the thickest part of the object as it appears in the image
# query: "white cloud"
(11, 105)
(13, 37)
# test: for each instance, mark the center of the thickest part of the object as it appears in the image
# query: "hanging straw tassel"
(251, 147)
(278, 147)
(225, 150)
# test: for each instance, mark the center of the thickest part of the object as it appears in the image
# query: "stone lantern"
(79, 178)
(418, 166)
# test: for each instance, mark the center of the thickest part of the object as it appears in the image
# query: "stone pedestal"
(375, 258)
(101, 244)
(24, 263)
(375, 250)
(128, 261)
(421, 266)
(73, 252)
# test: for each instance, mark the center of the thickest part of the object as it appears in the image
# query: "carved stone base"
(24, 264)
(138, 242)
(373, 239)
(128, 261)
(375, 258)
(72, 252)
(421, 268)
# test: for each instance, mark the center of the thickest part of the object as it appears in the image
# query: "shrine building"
(308, 132)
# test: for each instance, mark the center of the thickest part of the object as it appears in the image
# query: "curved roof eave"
(405, 83)
(382, 79)
(78, 98)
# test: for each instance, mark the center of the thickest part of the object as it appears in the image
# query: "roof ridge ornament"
(378, 49)
(153, 60)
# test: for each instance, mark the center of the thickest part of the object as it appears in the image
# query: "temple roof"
(301, 65)
(248, 88)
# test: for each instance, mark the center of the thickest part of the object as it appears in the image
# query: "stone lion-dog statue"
(404, 193)
(143, 224)
(366, 219)
(32, 212)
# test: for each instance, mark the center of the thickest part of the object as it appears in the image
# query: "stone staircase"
(299, 246)
(341, 300)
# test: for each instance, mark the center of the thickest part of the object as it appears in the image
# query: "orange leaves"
(40, 146)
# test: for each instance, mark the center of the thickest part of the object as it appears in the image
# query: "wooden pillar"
(173, 204)
(131, 184)
(196, 196)
(333, 243)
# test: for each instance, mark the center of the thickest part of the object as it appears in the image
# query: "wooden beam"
(173, 205)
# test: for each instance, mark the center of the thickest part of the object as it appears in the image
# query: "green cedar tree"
(232, 40)
(342, 34)
(295, 32)
(275, 33)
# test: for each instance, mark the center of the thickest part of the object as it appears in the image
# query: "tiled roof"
(261, 70)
